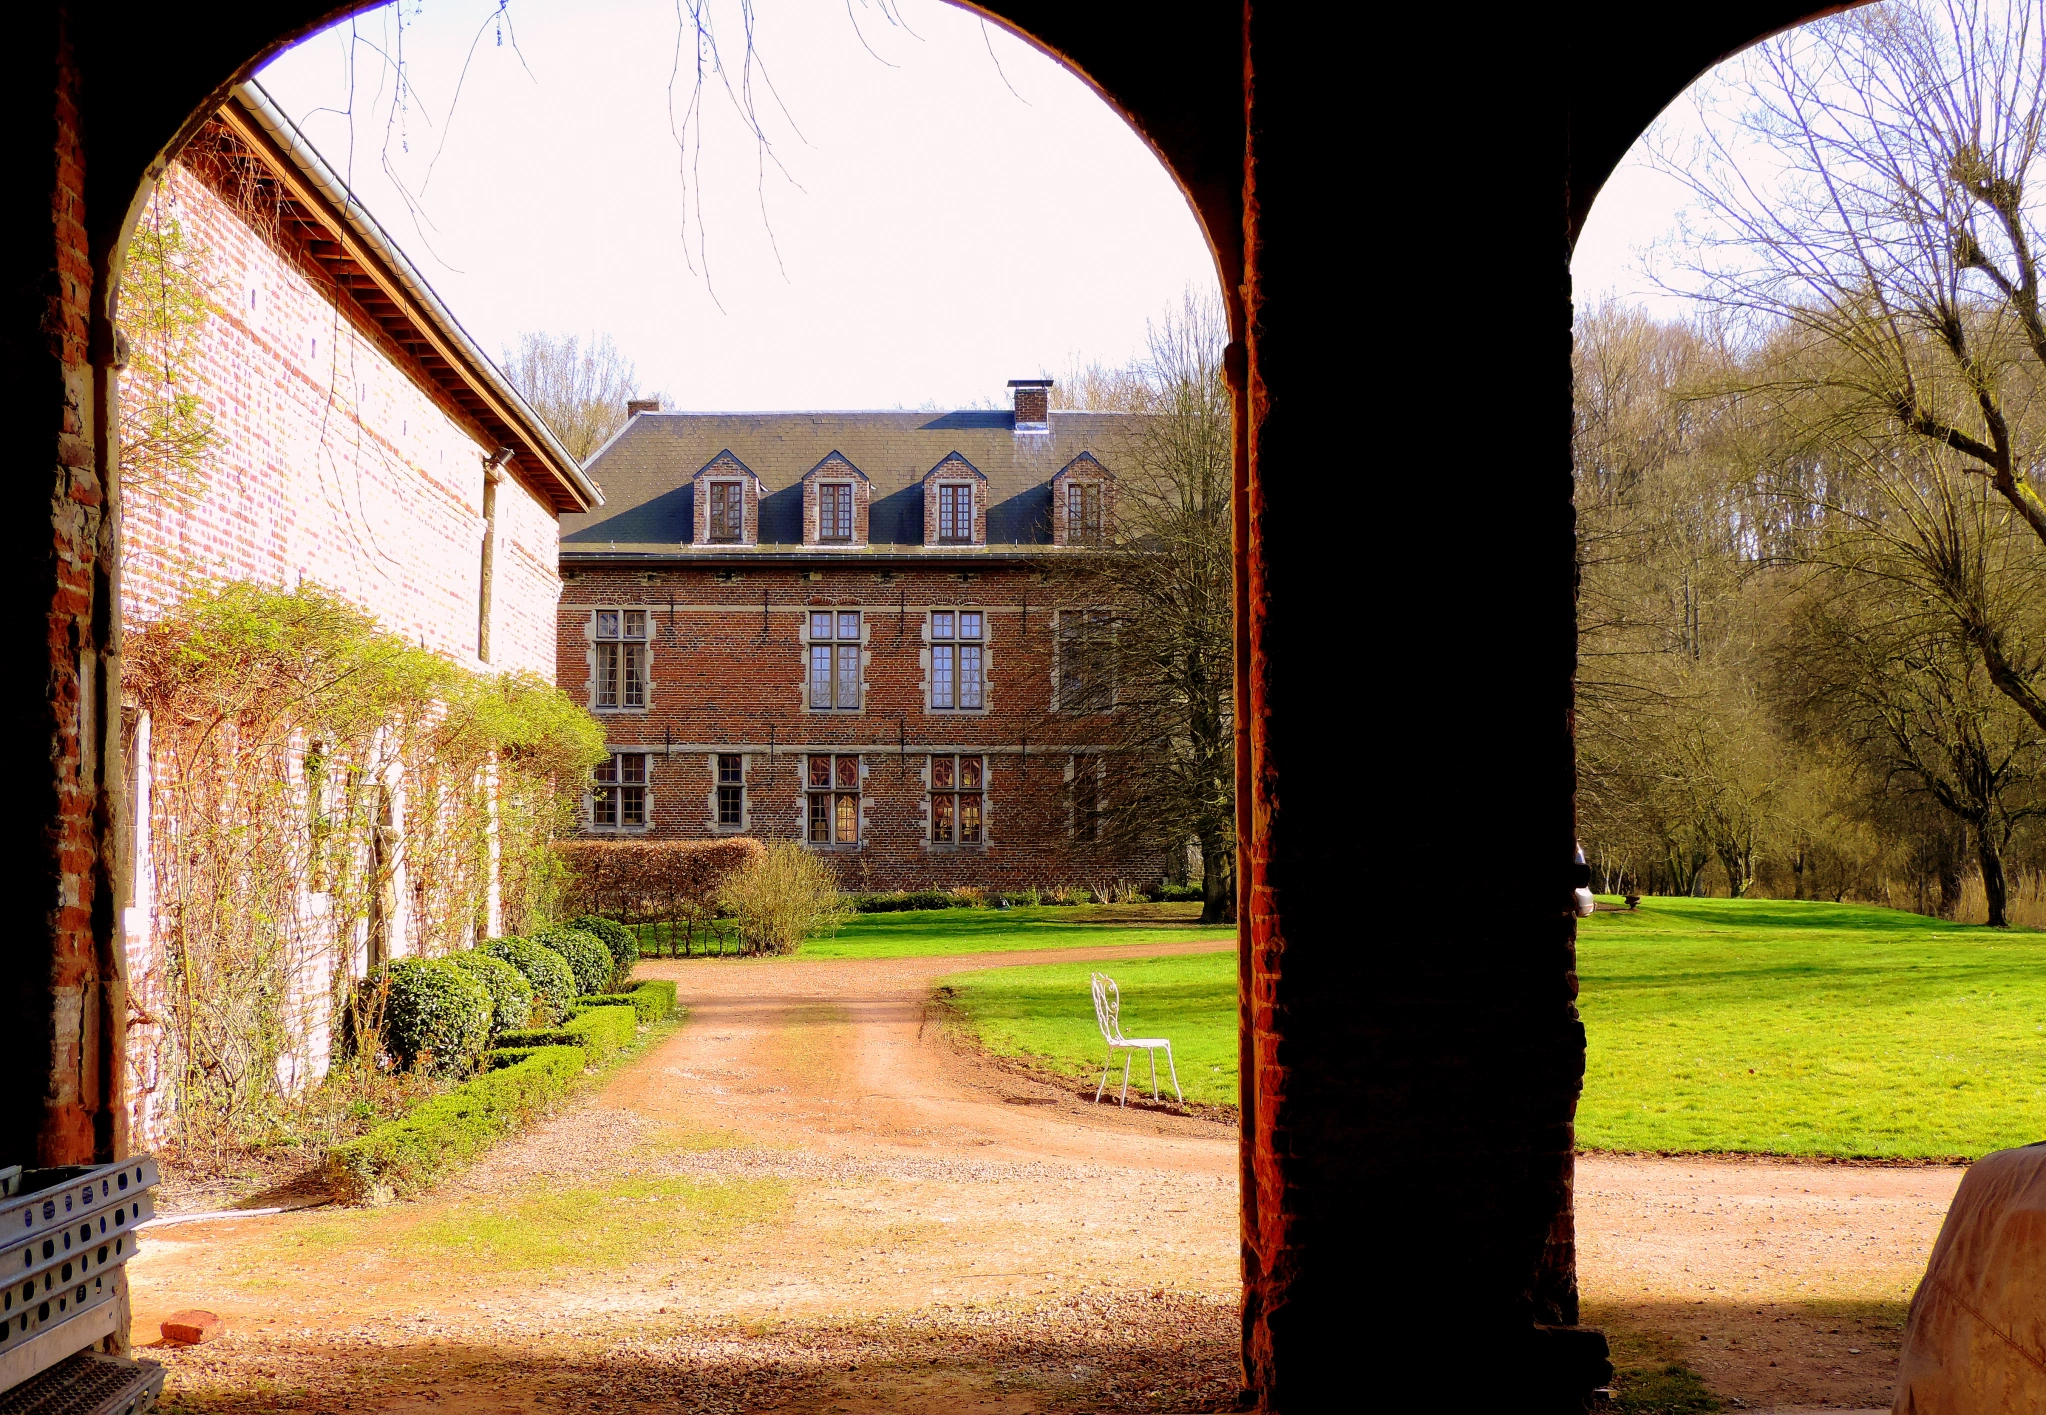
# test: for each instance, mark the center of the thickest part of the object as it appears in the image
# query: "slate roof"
(646, 470)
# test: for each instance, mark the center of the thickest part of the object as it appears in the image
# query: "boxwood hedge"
(587, 956)
(432, 1009)
(653, 999)
(553, 983)
(623, 943)
(407, 1153)
(511, 996)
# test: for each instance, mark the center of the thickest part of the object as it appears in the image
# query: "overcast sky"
(957, 210)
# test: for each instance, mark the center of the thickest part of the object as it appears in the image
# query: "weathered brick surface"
(334, 463)
(727, 674)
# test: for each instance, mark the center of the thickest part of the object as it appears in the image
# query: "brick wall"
(728, 674)
(333, 464)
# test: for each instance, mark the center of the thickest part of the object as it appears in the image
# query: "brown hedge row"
(675, 882)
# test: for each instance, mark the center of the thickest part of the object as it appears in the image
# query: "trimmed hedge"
(587, 957)
(497, 1058)
(671, 880)
(600, 1031)
(433, 1008)
(553, 982)
(407, 1153)
(511, 996)
(623, 943)
(652, 1000)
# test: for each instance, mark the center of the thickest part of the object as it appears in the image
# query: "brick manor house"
(838, 628)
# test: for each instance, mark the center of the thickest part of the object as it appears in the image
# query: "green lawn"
(1809, 1029)
(1046, 1014)
(920, 933)
(1715, 1025)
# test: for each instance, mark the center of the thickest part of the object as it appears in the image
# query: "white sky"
(938, 233)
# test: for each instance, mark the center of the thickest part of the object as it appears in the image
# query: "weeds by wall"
(322, 796)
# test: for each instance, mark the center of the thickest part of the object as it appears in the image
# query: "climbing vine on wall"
(324, 793)
(165, 427)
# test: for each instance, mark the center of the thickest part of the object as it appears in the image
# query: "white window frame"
(833, 796)
(972, 512)
(615, 776)
(952, 650)
(719, 785)
(842, 659)
(710, 521)
(947, 801)
(852, 512)
(621, 659)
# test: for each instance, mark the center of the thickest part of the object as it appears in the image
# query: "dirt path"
(804, 1200)
(1782, 1285)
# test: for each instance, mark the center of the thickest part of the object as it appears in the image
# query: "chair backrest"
(1107, 1008)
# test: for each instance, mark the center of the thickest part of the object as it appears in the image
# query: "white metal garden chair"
(1108, 1012)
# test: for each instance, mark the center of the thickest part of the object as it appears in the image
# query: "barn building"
(840, 628)
(360, 442)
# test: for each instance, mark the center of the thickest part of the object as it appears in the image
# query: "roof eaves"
(341, 208)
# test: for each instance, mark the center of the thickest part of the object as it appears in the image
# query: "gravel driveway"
(938, 1235)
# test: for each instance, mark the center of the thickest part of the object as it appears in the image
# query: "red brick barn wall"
(728, 674)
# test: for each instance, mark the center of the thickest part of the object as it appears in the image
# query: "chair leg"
(1175, 1074)
(1104, 1076)
(1127, 1058)
(1151, 1054)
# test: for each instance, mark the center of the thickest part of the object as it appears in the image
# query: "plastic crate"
(87, 1384)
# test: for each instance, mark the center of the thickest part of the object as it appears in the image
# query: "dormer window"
(834, 511)
(955, 513)
(1083, 513)
(727, 511)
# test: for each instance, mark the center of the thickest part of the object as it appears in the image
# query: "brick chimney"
(635, 406)
(1033, 404)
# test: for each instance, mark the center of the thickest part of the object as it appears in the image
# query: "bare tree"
(579, 387)
(1907, 691)
(1873, 205)
(1156, 595)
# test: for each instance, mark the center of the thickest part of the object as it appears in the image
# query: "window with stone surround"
(834, 511)
(1086, 661)
(834, 660)
(956, 786)
(955, 513)
(1086, 798)
(618, 680)
(618, 792)
(731, 790)
(832, 788)
(727, 511)
(1083, 513)
(958, 660)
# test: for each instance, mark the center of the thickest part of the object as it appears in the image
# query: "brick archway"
(1391, 215)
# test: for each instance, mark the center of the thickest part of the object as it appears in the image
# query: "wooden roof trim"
(376, 279)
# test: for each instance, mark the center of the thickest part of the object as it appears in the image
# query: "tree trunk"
(1992, 878)
(1218, 882)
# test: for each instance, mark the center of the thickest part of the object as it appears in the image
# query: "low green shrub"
(497, 1058)
(901, 901)
(432, 1009)
(407, 1153)
(511, 996)
(553, 981)
(1174, 894)
(652, 1000)
(587, 956)
(598, 1030)
(623, 943)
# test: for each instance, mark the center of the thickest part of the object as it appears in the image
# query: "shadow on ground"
(1752, 1355)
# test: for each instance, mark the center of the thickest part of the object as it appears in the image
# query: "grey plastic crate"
(87, 1384)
